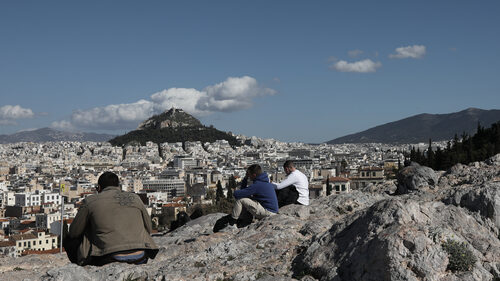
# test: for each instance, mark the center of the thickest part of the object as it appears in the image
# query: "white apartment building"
(8, 198)
(174, 187)
(51, 197)
(182, 162)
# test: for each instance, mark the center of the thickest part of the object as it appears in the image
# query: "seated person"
(294, 189)
(111, 226)
(256, 200)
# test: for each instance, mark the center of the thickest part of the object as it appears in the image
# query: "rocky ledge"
(385, 232)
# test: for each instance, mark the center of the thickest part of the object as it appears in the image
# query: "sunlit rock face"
(363, 235)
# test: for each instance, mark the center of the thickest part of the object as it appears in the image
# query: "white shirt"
(299, 180)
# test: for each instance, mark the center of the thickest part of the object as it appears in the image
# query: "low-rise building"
(368, 175)
(340, 184)
(37, 240)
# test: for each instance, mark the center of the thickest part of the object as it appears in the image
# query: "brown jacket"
(112, 221)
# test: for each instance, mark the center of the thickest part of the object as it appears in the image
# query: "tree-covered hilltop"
(173, 125)
(482, 145)
(175, 134)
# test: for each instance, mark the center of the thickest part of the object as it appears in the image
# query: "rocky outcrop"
(399, 239)
(362, 235)
(415, 178)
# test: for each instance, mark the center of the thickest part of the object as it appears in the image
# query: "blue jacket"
(261, 191)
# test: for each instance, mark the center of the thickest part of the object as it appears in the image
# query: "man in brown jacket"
(111, 226)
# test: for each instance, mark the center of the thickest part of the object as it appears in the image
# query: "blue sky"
(304, 71)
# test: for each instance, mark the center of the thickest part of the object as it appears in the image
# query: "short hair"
(108, 179)
(288, 164)
(255, 169)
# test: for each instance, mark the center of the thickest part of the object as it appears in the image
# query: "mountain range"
(48, 134)
(422, 127)
(174, 125)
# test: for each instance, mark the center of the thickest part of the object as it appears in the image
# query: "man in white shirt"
(294, 189)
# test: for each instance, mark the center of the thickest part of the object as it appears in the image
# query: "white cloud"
(355, 53)
(179, 98)
(15, 112)
(362, 66)
(114, 116)
(8, 113)
(235, 93)
(414, 52)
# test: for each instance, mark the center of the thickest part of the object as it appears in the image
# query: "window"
(19, 244)
(53, 240)
(373, 174)
(24, 243)
(29, 243)
(47, 241)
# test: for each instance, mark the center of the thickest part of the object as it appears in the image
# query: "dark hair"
(288, 164)
(108, 179)
(255, 169)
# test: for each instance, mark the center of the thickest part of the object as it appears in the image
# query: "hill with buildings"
(422, 127)
(174, 125)
(429, 225)
(48, 134)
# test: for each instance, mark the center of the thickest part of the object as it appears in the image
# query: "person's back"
(294, 189)
(111, 226)
(116, 222)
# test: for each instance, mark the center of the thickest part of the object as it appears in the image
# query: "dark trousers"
(287, 196)
(71, 246)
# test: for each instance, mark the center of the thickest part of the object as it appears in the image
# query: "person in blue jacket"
(257, 200)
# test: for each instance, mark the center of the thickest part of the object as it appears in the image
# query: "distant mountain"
(48, 134)
(420, 128)
(173, 125)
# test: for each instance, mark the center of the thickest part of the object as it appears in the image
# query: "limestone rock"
(362, 235)
(416, 177)
(398, 239)
(484, 199)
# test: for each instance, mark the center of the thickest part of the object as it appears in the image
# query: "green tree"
(229, 193)
(219, 194)
(328, 187)
(482, 145)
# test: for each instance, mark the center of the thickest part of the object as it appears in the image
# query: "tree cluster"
(479, 147)
(221, 203)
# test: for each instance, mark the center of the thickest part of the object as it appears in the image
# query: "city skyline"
(292, 71)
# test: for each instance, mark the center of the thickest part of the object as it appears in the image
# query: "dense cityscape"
(170, 177)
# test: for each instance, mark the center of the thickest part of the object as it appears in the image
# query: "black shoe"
(244, 222)
(223, 222)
